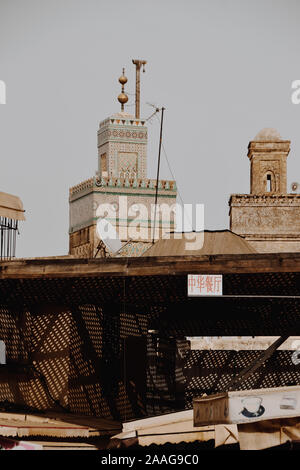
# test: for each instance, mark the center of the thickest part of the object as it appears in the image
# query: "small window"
(104, 169)
(269, 183)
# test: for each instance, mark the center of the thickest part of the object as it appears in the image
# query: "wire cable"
(172, 174)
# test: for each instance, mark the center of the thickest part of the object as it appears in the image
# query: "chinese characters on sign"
(205, 284)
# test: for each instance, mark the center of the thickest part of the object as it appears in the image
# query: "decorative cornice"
(128, 183)
(118, 121)
(78, 188)
(279, 200)
(276, 148)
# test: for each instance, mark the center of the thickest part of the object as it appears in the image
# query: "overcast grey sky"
(223, 69)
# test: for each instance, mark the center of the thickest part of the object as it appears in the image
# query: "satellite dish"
(294, 186)
(108, 234)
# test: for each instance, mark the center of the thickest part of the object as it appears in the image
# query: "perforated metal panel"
(199, 372)
(79, 351)
(72, 330)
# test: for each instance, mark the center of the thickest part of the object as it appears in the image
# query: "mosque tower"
(268, 217)
(120, 182)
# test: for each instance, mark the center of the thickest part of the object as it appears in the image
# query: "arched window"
(270, 182)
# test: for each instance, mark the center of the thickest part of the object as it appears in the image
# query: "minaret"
(122, 171)
(122, 143)
(268, 159)
(268, 217)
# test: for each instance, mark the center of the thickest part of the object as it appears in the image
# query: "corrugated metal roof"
(54, 424)
(172, 428)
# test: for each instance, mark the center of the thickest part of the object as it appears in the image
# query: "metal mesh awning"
(73, 319)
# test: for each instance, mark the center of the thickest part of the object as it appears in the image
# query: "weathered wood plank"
(175, 265)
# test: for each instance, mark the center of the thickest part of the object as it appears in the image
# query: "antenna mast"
(158, 167)
(138, 64)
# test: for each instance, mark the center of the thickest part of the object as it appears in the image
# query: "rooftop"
(208, 242)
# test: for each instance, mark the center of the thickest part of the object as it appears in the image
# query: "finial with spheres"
(123, 98)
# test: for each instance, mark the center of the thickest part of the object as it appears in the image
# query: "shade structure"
(108, 335)
(11, 207)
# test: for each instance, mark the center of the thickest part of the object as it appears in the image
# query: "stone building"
(268, 217)
(121, 181)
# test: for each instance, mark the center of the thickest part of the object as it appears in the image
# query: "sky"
(223, 70)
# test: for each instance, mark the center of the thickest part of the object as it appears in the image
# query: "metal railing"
(8, 232)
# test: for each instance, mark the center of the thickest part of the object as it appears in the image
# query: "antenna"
(153, 106)
(108, 235)
(157, 109)
(158, 167)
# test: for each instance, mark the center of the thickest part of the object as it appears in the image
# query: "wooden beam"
(257, 363)
(146, 266)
